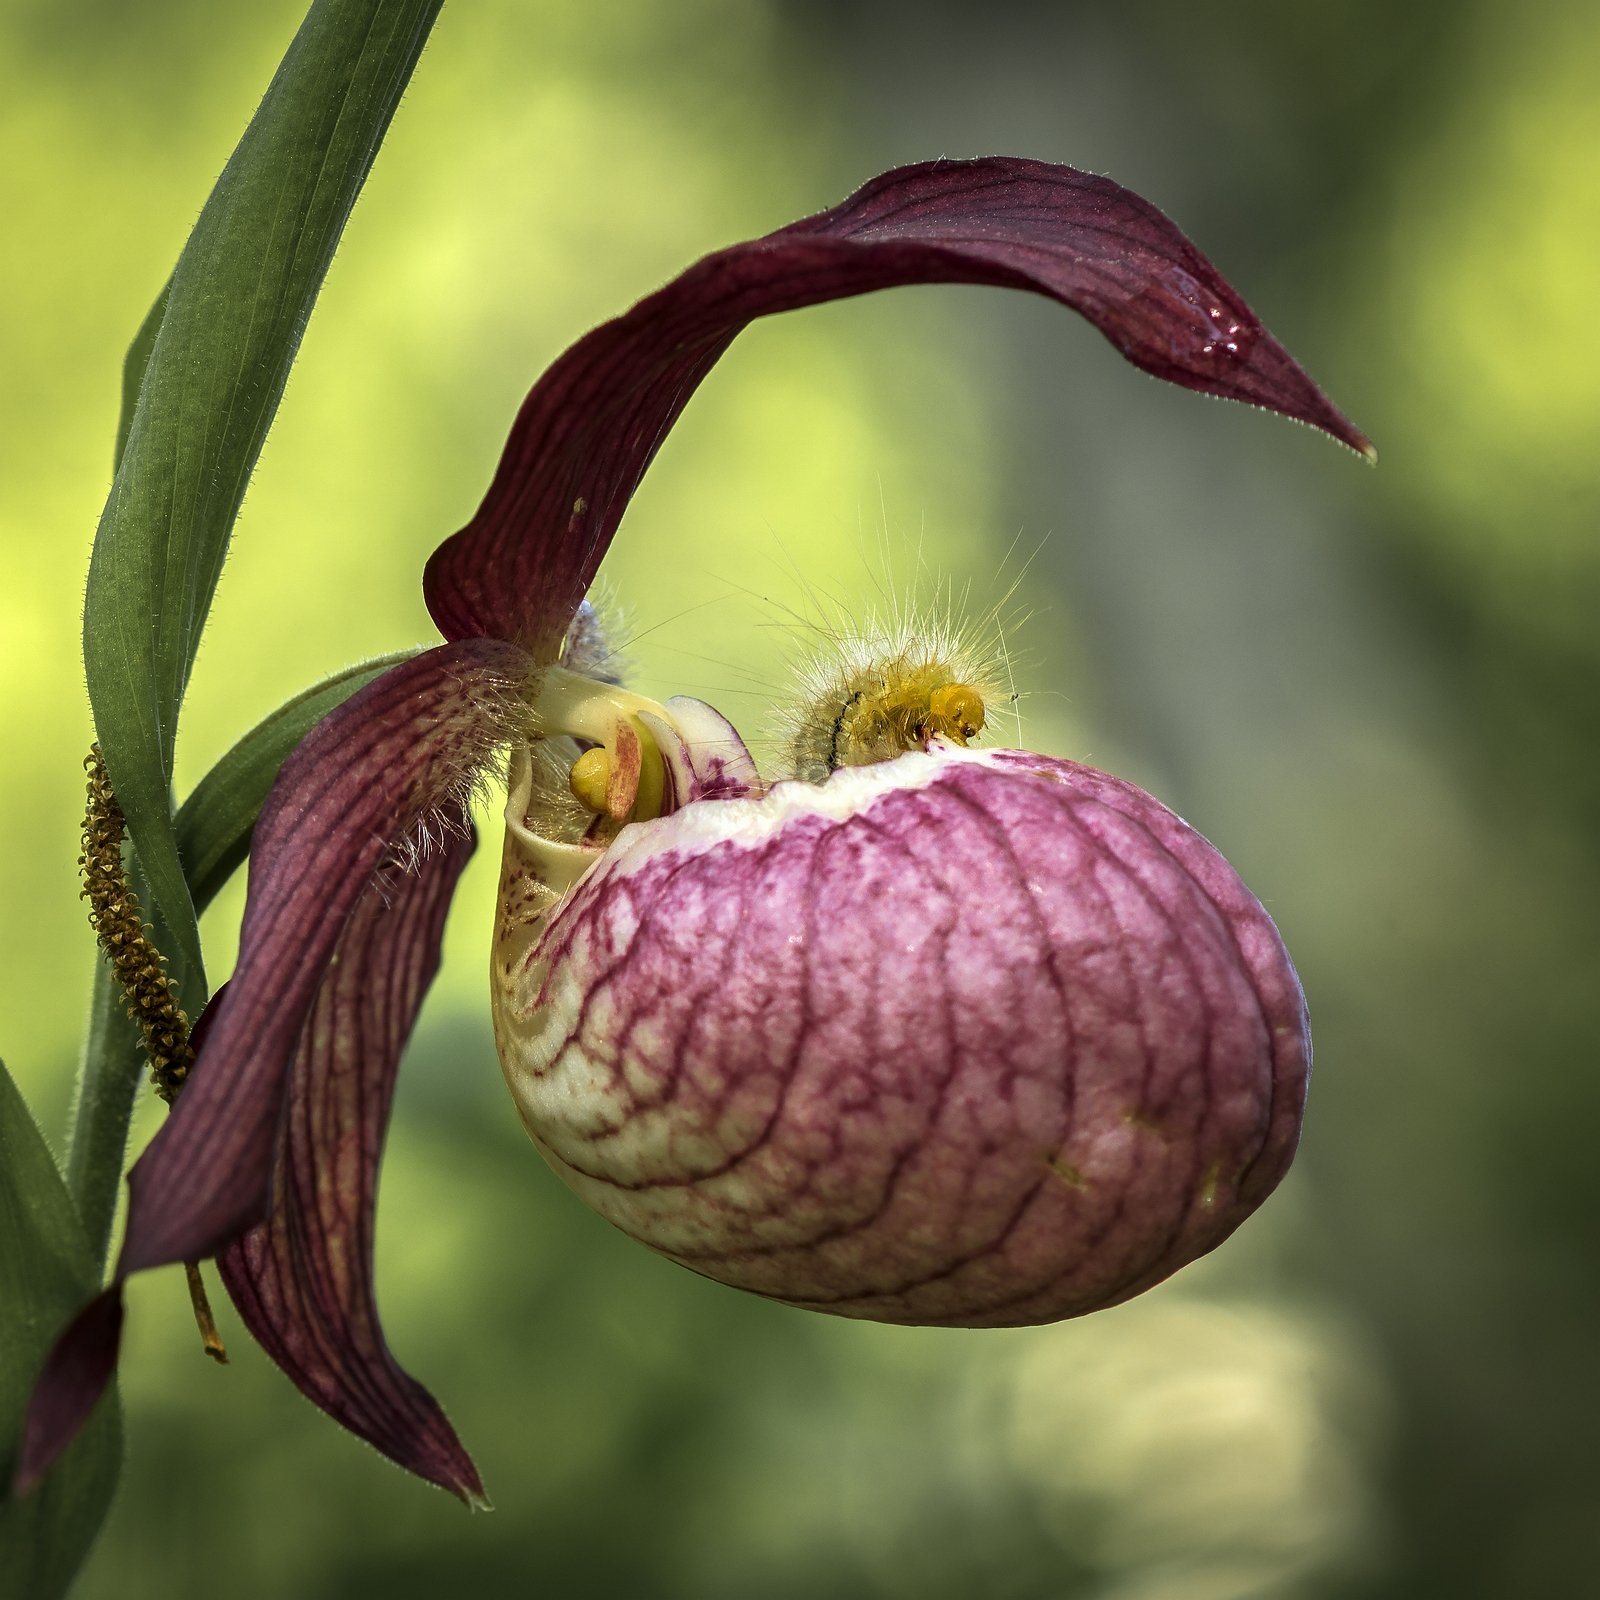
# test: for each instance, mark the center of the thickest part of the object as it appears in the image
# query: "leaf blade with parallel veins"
(214, 363)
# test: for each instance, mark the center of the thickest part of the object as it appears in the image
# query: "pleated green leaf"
(46, 1273)
(209, 367)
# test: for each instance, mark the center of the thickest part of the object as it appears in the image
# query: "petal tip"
(452, 1470)
(1327, 418)
(1333, 422)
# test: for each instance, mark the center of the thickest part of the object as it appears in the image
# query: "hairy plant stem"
(109, 1071)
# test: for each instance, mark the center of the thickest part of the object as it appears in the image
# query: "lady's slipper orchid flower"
(941, 1036)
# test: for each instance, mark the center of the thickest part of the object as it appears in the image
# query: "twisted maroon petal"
(303, 1280)
(374, 781)
(593, 422)
(361, 783)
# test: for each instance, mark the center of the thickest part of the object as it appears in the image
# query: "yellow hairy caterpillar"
(886, 686)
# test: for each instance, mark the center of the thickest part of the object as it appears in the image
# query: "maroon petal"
(374, 787)
(76, 1374)
(303, 1280)
(591, 425)
(368, 779)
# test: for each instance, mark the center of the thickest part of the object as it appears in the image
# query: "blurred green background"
(1375, 691)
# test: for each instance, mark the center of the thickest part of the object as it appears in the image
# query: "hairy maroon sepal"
(594, 421)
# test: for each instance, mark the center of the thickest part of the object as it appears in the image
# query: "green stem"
(109, 1076)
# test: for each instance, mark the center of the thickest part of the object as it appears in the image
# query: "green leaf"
(46, 1274)
(216, 820)
(134, 365)
(218, 358)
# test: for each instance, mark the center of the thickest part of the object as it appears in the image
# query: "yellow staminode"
(623, 776)
(591, 778)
